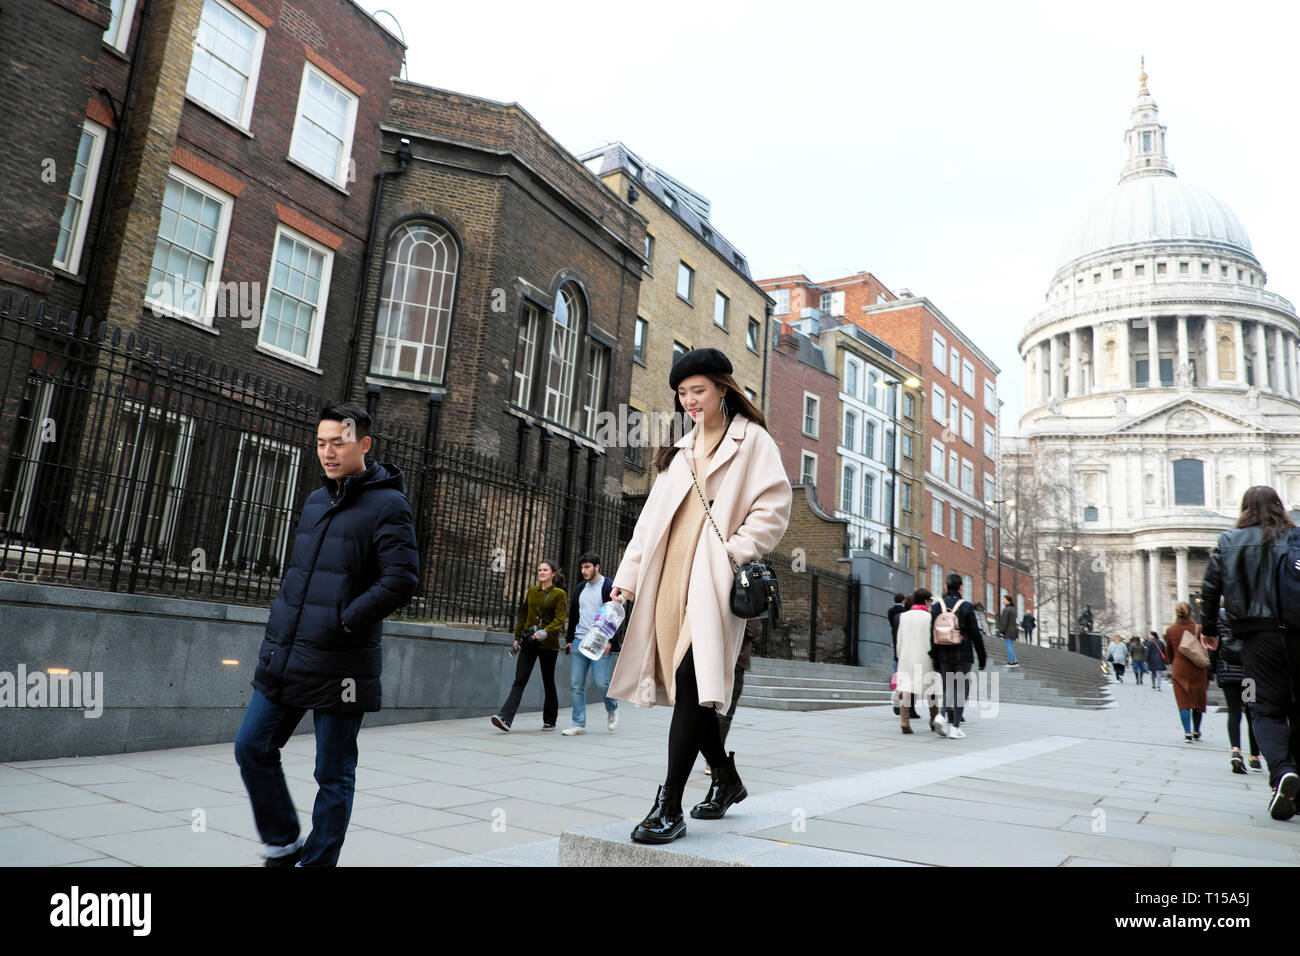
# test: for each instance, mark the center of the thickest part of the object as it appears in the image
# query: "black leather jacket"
(1243, 571)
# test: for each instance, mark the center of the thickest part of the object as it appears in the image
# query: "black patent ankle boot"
(664, 822)
(725, 790)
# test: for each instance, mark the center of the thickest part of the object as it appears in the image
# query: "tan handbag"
(1191, 648)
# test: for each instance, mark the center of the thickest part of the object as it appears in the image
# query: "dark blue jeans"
(266, 728)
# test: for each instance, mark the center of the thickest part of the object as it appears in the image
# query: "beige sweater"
(672, 636)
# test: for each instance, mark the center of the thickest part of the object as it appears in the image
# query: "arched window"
(567, 321)
(415, 303)
(1189, 482)
(846, 488)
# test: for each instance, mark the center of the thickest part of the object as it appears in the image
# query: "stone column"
(1125, 335)
(1054, 350)
(1293, 385)
(1279, 362)
(1239, 346)
(1183, 357)
(1153, 351)
(1211, 352)
(1094, 353)
(1153, 589)
(1140, 613)
(1180, 573)
(1261, 358)
(1076, 367)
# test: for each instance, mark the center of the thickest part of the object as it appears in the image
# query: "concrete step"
(817, 693)
(795, 703)
(767, 665)
(827, 683)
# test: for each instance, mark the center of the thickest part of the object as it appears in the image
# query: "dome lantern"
(1146, 138)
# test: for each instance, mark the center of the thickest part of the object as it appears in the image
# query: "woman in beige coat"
(682, 639)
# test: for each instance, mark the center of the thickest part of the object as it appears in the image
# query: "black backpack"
(1288, 584)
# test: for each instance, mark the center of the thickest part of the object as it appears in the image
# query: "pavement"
(1028, 786)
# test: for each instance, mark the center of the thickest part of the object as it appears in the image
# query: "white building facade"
(1162, 380)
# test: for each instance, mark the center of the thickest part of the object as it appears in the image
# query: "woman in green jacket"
(537, 638)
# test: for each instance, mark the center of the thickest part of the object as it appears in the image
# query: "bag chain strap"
(708, 514)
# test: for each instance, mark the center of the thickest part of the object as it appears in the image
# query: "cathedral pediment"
(1186, 416)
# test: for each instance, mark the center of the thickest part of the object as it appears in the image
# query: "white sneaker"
(573, 731)
(941, 725)
(613, 720)
(956, 733)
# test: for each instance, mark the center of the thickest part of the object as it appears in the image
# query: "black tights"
(694, 729)
(1236, 707)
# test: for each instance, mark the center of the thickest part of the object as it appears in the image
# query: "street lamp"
(910, 382)
(997, 547)
(1070, 552)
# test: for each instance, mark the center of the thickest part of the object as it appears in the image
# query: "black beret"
(698, 362)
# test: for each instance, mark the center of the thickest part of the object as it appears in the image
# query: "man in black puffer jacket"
(354, 562)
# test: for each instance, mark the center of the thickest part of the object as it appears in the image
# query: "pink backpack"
(946, 631)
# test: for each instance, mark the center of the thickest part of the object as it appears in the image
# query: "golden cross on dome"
(1142, 79)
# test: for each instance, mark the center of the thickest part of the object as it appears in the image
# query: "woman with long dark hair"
(1243, 572)
(537, 640)
(682, 640)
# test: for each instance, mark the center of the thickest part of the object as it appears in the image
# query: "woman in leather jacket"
(1243, 574)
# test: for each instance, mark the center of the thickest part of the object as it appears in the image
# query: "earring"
(722, 406)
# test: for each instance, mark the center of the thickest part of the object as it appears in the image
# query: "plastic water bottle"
(606, 625)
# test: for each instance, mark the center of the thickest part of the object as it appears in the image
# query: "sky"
(944, 147)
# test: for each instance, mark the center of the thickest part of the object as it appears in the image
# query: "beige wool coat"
(751, 504)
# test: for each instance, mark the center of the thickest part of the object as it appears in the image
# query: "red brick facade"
(792, 379)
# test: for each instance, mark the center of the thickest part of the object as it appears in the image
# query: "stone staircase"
(1047, 677)
(799, 685)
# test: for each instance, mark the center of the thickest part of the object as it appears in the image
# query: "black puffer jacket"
(1243, 572)
(972, 645)
(354, 562)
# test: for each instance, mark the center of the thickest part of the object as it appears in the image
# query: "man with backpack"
(955, 641)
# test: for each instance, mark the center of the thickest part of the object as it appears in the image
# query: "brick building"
(805, 420)
(696, 292)
(960, 446)
(501, 292)
(213, 163)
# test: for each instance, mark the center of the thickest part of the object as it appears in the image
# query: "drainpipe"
(403, 156)
(115, 171)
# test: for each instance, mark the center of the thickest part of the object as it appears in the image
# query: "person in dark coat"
(1243, 574)
(1007, 629)
(953, 661)
(1027, 624)
(1156, 658)
(1225, 664)
(354, 562)
(893, 613)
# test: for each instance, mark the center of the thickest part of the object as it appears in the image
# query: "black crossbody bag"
(754, 590)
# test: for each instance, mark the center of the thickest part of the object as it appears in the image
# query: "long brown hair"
(1261, 506)
(737, 403)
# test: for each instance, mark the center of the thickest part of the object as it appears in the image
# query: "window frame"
(647, 268)
(690, 283)
(721, 298)
(753, 329)
(640, 329)
(967, 531)
(968, 377)
(936, 516)
(807, 476)
(990, 442)
(76, 245)
(394, 239)
(938, 403)
(207, 312)
(816, 416)
(244, 120)
(281, 514)
(954, 365)
(849, 435)
(848, 478)
(122, 36)
(968, 426)
(340, 178)
(939, 346)
(990, 397)
(318, 320)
